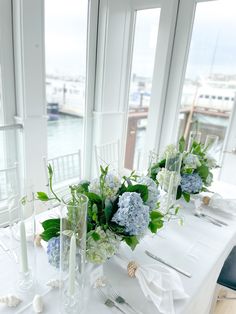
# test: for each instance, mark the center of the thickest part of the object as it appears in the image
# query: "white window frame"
(181, 46)
(163, 56)
(28, 28)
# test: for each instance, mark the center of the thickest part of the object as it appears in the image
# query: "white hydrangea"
(99, 251)
(163, 177)
(191, 161)
(169, 152)
(153, 192)
(112, 185)
(211, 161)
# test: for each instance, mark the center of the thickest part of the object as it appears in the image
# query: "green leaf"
(50, 171)
(155, 225)
(179, 193)
(108, 210)
(95, 236)
(186, 197)
(131, 241)
(49, 223)
(203, 171)
(181, 144)
(50, 233)
(42, 196)
(156, 215)
(139, 188)
(93, 197)
(177, 208)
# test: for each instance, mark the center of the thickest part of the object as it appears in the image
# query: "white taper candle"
(72, 265)
(23, 246)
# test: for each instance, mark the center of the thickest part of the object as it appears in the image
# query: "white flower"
(112, 185)
(169, 152)
(191, 161)
(105, 247)
(163, 177)
(211, 161)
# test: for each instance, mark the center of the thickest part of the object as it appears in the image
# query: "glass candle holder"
(73, 230)
(194, 137)
(211, 142)
(172, 180)
(22, 227)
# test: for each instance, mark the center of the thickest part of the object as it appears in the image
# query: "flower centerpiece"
(118, 210)
(195, 172)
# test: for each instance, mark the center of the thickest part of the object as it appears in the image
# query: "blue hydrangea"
(132, 214)
(153, 192)
(191, 183)
(53, 251)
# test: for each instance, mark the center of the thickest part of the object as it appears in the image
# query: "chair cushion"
(227, 277)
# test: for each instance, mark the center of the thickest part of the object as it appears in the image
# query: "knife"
(167, 264)
(217, 220)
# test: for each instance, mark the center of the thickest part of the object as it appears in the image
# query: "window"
(65, 50)
(211, 70)
(144, 47)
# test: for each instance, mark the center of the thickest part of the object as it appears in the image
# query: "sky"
(212, 50)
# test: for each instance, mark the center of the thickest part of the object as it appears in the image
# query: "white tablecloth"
(198, 247)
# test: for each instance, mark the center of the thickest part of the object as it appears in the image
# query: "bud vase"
(73, 228)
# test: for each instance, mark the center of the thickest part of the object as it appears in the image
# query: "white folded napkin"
(227, 206)
(159, 284)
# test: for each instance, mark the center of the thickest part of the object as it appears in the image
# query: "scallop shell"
(10, 300)
(206, 200)
(54, 283)
(37, 240)
(37, 304)
(131, 268)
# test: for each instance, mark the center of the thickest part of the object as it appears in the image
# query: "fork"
(108, 302)
(208, 219)
(120, 300)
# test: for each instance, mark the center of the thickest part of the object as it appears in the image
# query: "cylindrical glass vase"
(73, 229)
(173, 166)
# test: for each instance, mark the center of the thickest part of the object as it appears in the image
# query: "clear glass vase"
(172, 180)
(73, 229)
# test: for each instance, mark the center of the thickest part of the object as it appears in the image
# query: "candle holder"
(73, 230)
(22, 227)
(172, 180)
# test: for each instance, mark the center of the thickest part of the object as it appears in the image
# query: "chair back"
(66, 169)
(9, 195)
(108, 155)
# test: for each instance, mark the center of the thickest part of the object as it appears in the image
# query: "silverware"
(167, 264)
(208, 219)
(119, 299)
(109, 302)
(215, 219)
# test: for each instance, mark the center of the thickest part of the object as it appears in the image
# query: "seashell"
(37, 240)
(10, 300)
(131, 268)
(206, 200)
(54, 283)
(37, 304)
